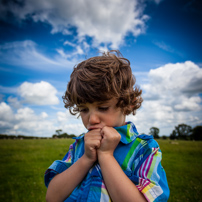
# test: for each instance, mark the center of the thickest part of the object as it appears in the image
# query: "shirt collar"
(128, 133)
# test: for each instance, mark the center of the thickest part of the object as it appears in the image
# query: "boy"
(111, 162)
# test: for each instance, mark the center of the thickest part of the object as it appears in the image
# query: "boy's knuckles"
(93, 143)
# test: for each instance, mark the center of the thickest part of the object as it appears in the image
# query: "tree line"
(4, 136)
(58, 134)
(180, 132)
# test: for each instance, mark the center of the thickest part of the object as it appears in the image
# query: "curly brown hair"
(102, 78)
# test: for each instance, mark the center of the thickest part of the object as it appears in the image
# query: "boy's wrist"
(87, 160)
(105, 156)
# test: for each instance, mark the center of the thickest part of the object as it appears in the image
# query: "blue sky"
(41, 41)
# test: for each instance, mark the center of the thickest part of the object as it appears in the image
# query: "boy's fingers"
(110, 132)
(97, 144)
(94, 137)
(94, 142)
(94, 134)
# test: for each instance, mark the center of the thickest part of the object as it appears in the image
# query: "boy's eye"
(83, 110)
(103, 108)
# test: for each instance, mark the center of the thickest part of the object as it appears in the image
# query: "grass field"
(23, 163)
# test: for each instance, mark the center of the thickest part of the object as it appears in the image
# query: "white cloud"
(25, 114)
(14, 102)
(64, 117)
(6, 113)
(69, 43)
(105, 21)
(26, 122)
(70, 123)
(42, 93)
(189, 104)
(174, 79)
(171, 96)
(6, 117)
(78, 51)
(75, 128)
(25, 54)
(44, 115)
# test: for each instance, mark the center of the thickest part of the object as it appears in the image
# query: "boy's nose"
(94, 118)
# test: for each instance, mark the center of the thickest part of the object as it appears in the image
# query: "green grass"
(183, 165)
(23, 163)
(22, 167)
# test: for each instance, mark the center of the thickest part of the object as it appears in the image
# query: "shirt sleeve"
(150, 177)
(59, 166)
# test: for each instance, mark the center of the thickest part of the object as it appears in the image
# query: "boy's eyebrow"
(102, 102)
(97, 103)
(81, 105)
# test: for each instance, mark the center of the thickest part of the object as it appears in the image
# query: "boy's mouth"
(93, 128)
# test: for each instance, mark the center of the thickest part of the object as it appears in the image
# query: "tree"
(155, 132)
(58, 131)
(164, 137)
(173, 135)
(197, 133)
(54, 136)
(182, 131)
(62, 135)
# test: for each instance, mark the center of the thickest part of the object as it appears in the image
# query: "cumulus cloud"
(105, 21)
(25, 121)
(14, 102)
(174, 80)
(42, 93)
(17, 119)
(74, 128)
(6, 117)
(171, 96)
(64, 117)
(70, 123)
(189, 104)
(6, 112)
(29, 122)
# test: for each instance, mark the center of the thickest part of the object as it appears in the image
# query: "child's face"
(97, 115)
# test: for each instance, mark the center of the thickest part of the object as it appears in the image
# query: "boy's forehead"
(113, 100)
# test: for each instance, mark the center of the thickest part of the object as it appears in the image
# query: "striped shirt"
(139, 157)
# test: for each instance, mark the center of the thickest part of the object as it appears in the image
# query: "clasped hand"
(101, 142)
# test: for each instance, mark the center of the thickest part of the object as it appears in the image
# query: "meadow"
(23, 163)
